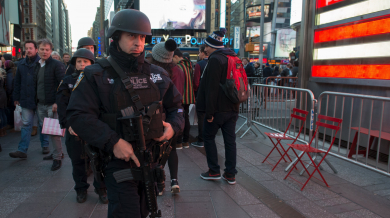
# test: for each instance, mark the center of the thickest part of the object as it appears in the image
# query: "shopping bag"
(18, 123)
(192, 115)
(52, 127)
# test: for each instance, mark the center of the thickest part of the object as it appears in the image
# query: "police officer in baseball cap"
(100, 95)
(74, 146)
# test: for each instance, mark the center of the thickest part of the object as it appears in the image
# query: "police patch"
(81, 76)
(70, 86)
(155, 77)
(139, 82)
(110, 81)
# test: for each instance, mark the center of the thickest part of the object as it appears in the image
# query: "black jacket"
(267, 72)
(69, 69)
(250, 70)
(211, 98)
(54, 72)
(64, 92)
(92, 96)
(24, 87)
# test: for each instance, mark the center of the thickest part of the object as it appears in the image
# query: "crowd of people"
(87, 96)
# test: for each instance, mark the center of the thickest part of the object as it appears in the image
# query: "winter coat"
(54, 72)
(211, 97)
(188, 96)
(24, 86)
(178, 78)
(250, 70)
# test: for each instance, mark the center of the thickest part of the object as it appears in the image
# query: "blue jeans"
(227, 122)
(28, 119)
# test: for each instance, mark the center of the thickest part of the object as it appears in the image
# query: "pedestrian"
(66, 59)
(295, 69)
(188, 97)
(267, 72)
(48, 75)
(162, 55)
(99, 95)
(3, 103)
(249, 69)
(221, 113)
(24, 95)
(199, 69)
(56, 55)
(11, 72)
(87, 43)
(74, 146)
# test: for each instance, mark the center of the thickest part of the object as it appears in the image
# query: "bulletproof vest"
(70, 81)
(120, 99)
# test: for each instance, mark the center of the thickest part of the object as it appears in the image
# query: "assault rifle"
(152, 163)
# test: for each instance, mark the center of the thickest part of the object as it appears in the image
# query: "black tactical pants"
(125, 199)
(75, 151)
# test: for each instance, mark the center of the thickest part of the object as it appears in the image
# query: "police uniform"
(74, 145)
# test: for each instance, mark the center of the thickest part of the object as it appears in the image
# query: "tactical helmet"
(83, 53)
(86, 41)
(133, 21)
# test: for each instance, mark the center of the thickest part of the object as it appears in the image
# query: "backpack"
(236, 87)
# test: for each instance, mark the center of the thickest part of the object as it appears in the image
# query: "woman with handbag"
(74, 145)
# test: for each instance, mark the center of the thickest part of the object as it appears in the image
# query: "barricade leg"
(249, 128)
(261, 132)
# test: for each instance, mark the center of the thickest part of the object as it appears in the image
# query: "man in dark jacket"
(267, 72)
(220, 111)
(295, 69)
(48, 75)
(24, 96)
(199, 68)
(249, 68)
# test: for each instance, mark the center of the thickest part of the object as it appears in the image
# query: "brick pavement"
(29, 189)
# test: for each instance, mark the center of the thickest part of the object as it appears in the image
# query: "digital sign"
(187, 40)
(254, 31)
(285, 42)
(184, 14)
(254, 13)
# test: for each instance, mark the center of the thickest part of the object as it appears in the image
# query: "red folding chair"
(279, 137)
(307, 149)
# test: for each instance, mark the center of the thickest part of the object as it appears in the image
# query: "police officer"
(99, 96)
(74, 145)
(87, 43)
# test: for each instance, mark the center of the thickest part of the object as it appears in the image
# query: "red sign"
(324, 3)
(352, 71)
(253, 60)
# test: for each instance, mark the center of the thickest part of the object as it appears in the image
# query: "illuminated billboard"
(285, 42)
(184, 14)
(254, 31)
(296, 11)
(254, 13)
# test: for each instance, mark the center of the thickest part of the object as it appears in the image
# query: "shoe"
(210, 175)
(50, 157)
(18, 154)
(45, 150)
(230, 178)
(175, 186)
(160, 193)
(186, 145)
(81, 196)
(102, 195)
(34, 131)
(56, 165)
(197, 144)
(179, 146)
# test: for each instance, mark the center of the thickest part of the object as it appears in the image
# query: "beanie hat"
(215, 39)
(163, 51)
(7, 56)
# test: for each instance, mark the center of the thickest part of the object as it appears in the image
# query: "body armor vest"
(120, 99)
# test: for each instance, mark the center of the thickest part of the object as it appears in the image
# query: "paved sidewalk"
(29, 189)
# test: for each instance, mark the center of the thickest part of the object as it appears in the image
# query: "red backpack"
(236, 86)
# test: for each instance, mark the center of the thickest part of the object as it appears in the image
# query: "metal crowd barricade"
(365, 116)
(279, 81)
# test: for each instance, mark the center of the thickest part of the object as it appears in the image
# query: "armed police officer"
(74, 145)
(113, 88)
(87, 43)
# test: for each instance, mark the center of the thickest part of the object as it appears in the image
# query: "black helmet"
(82, 53)
(86, 41)
(139, 23)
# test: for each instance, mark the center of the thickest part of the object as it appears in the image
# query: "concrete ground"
(29, 189)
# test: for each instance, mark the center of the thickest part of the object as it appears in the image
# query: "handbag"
(52, 127)
(18, 123)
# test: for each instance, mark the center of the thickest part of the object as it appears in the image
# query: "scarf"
(124, 60)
